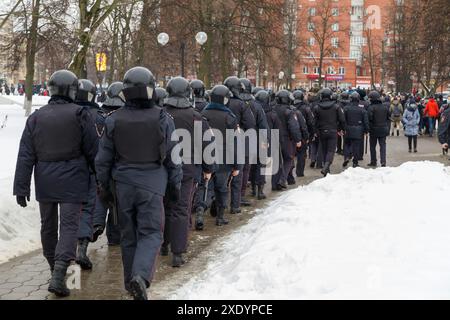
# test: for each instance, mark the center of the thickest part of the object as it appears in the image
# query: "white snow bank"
(20, 100)
(19, 228)
(363, 234)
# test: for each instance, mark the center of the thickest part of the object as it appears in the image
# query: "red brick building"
(354, 43)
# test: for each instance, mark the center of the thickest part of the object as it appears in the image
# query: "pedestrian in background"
(411, 120)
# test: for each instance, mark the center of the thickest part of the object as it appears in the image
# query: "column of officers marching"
(111, 168)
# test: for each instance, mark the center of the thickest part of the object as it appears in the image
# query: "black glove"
(105, 195)
(174, 192)
(22, 201)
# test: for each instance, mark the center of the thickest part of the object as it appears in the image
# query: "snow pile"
(38, 101)
(363, 234)
(19, 228)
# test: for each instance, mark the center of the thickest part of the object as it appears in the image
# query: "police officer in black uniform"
(246, 121)
(107, 215)
(220, 119)
(198, 93)
(86, 95)
(329, 120)
(290, 137)
(135, 152)
(177, 213)
(59, 143)
(357, 125)
(253, 168)
(444, 128)
(161, 95)
(308, 115)
(379, 121)
(343, 100)
(315, 149)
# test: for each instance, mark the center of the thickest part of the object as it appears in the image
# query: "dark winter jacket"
(152, 177)
(308, 115)
(65, 181)
(302, 124)
(186, 117)
(379, 119)
(329, 117)
(244, 116)
(444, 127)
(356, 120)
(289, 130)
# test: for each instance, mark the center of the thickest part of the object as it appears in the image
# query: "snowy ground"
(37, 100)
(19, 228)
(363, 234)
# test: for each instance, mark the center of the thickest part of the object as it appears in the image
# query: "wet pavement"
(26, 277)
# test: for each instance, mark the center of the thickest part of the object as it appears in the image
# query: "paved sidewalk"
(27, 277)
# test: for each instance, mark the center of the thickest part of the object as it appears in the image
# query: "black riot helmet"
(114, 95)
(63, 83)
(374, 96)
(344, 95)
(178, 87)
(284, 97)
(198, 88)
(325, 94)
(263, 97)
(298, 96)
(246, 86)
(86, 91)
(220, 94)
(355, 97)
(138, 84)
(255, 90)
(161, 94)
(235, 85)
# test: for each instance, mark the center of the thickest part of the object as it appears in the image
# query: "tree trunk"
(31, 57)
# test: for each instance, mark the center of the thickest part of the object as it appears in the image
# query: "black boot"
(199, 222)
(164, 251)
(355, 164)
(235, 210)
(398, 133)
(177, 260)
(345, 164)
(253, 190)
(261, 195)
(51, 263)
(312, 165)
(213, 209)
(372, 164)
(58, 282)
(245, 202)
(220, 219)
(138, 288)
(82, 258)
(326, 169)
(98, 230)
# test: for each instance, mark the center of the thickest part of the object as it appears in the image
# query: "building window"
(335, 42)
(355, 54)
(311, 42)
(312, 12)
(335, 55)
(311, 26)
(335, 12)
(316, 70)
(330, 70)
(305, 70)
(335, 26)
(341, 70)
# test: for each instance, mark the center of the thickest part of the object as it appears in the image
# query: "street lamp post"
(163, 39)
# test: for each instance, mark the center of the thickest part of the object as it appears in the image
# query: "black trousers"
(412, 140)
(328, 140)
(177, 218)
(351, 149)
(373, 149)
(64, 248)
(104, 216)
(141, 218)
(302, 154)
